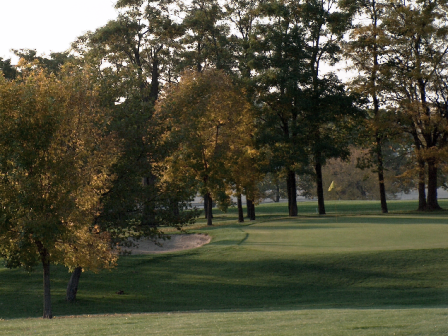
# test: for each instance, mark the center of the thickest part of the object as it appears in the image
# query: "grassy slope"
(276, 265)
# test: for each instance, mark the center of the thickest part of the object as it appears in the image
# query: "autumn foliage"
(54, 167)
(208, 123)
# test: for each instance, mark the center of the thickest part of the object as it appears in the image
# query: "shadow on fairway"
(186, 282)
(230, 273)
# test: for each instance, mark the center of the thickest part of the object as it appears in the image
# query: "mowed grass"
(335, 322)
(351, 272)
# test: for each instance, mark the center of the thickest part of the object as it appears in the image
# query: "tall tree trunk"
(292, 193)
(45, 259)
(252, 210)
(206, 200)
(380, 167)
(240, 209)
(149, 215)
(320, 188)
(376, 108)
(288, 191)
(198, 62)
(249, 207)
(277, 193)
(154, 93)
(432, 203)
(72, 287)
(47, 293)
(421, 185)
(209, 209)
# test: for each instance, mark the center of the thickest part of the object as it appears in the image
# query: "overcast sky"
(49, 25)
(52, 25)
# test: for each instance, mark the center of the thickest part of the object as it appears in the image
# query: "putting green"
(311, 235)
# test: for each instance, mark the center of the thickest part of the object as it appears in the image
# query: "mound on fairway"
(174, 243)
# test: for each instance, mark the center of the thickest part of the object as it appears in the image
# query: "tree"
(280, 69)
(242, 17)
(51, 63)
(135, 50)
(417, 60)
(366, 50)
(306, 117)
(205, 38)
(329, 109)
(55, 164)
(208, 122)
(134, 56)
(245, 173)
(7, 69)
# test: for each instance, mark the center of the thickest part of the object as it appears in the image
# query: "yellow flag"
(331, 186)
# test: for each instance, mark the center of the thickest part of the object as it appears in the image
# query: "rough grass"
(340, 274)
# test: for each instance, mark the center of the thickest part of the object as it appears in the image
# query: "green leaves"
(7, 69)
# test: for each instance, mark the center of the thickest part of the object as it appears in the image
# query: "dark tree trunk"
(72, 287)
(421, 186)
(292, 193)
(206, 200)
(376, 108)
(432, 203)
(154, 93)
(149, 217)
(379, 154)
(209, 209)
(198, 63)
(249, 208)
(320, 188)
(45, 259)
(240, 209)
(252, 210)
(47, 293)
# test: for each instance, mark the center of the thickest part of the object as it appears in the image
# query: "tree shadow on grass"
(190, 281)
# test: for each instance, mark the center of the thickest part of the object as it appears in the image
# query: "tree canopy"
(55, 161)
(208, 123)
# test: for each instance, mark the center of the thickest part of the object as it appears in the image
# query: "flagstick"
(335, 207)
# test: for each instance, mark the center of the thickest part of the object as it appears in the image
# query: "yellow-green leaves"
(54, 166)
(209, 124)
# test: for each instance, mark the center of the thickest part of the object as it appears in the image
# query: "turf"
(335, 322)
(375, 273)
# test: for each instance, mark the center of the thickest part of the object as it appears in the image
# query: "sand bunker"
(177, 242)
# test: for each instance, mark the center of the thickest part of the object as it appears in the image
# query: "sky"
(52, 25)
(49, 25)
